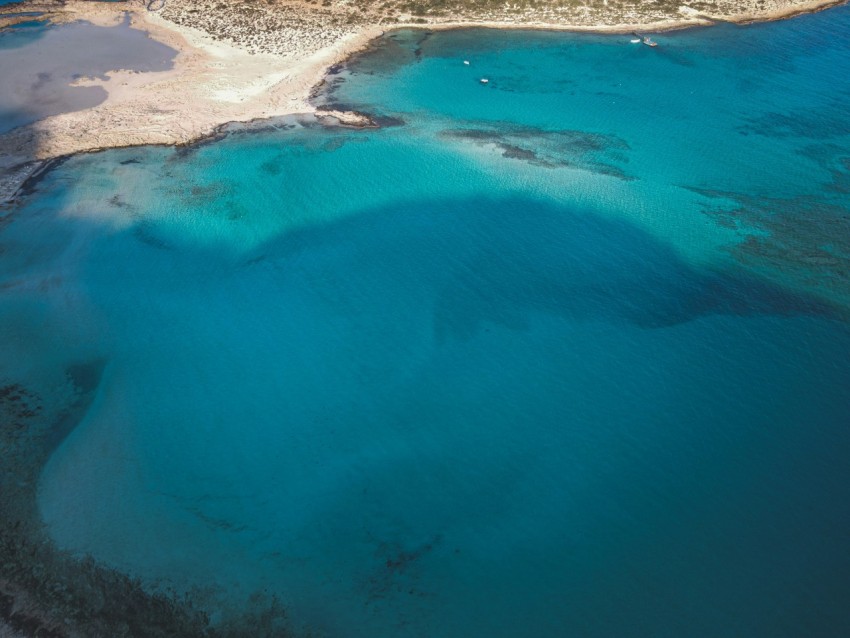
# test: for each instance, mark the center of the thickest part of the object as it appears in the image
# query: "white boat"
(466, 62)
(635, 40)
(484, 80)
(645, 39)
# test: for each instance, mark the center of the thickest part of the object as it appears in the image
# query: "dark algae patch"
(595, 152)
(46, 592)
(49, 593)
(802, 238)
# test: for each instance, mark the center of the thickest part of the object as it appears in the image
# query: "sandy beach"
(223, 73)
(211, 83)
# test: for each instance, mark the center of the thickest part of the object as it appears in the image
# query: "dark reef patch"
(835, 160)
(273, 167)
(388, 54)
(398, 570)
(202, 194)
(400, 559)
(595, 152)
(387, 121)
(804, 238)
(49, 593)
(145, 234)
(31, 183)
(117, 201)
(827, 120)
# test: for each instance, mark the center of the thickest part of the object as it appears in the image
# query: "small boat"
(635, 40)
(645, 39)
(466, 62)
(483, 80)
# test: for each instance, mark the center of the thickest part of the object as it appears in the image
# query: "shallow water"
(40, 62)
(744, 124)
(566, 354)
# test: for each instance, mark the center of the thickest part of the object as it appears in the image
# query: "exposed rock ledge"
(346, 118)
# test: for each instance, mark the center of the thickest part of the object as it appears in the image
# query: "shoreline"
(696, 20)
(213, 84)
(28, 598)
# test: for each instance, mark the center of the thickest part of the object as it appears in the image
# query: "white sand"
(213, 82)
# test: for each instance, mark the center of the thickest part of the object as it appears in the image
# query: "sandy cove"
(213, 82)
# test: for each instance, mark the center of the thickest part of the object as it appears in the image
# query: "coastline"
(214, 83)
(210, 84)
(28, 609)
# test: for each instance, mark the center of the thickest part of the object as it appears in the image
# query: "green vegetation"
(283, 26)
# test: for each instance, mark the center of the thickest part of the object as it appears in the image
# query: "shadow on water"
(22, 34)
(468, 262)
(472, 262)
(502, 260)
(39, 66)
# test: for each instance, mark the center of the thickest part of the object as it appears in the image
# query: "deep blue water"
(566, 354)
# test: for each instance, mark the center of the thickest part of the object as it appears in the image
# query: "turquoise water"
(565, 354)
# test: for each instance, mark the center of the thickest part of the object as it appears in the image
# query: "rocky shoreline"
(239, 62)
(18, 181)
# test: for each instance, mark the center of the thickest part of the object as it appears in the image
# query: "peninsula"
(255, 59)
